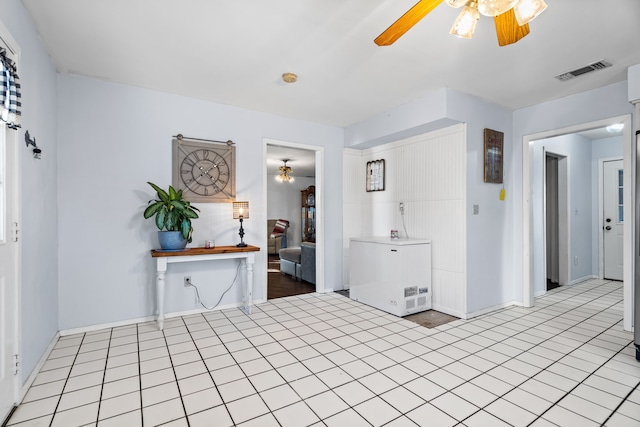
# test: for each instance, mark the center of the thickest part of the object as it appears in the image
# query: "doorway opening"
(10, 258)
(292, 227)
(556, 220)
(532, 254)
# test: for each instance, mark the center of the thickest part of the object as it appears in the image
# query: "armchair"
(276, 235)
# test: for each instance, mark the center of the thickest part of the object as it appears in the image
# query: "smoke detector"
(583, 70)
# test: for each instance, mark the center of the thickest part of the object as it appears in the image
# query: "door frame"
(319, 199)
(601, 211)
(629, 208)
(11, 137)
(564, 223)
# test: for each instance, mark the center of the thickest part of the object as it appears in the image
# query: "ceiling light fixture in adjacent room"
(289, 77)
(285, 173)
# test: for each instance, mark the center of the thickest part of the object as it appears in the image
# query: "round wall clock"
(205, 172)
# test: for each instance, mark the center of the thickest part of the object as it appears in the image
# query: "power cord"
(404, 226)
(221, 296)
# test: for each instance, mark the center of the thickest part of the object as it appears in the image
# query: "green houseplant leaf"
(171, 212)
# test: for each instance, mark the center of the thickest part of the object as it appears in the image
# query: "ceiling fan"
(511, 18)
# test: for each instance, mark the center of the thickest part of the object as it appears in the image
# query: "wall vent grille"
(600, 65)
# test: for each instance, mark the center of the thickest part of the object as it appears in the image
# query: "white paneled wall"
(353, 178)
(428, 174)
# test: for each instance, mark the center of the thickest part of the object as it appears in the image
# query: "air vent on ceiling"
(583, 70)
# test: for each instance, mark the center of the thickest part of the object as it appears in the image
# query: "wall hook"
(32, 141)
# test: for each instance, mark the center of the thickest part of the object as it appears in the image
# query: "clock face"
(204, 172)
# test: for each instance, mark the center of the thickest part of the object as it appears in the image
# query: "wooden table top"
(155, 253)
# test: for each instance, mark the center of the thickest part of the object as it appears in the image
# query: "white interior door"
(8, 270)
(613, 215)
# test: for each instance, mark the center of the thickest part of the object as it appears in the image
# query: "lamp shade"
(495, 7)
(240, 210)
(466, 22)
(526, 10)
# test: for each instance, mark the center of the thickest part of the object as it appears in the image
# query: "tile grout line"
(139, 373)
(276, 370)
(513, 357)
(175, 376)
(67, 379)
(313, 374)
(205, 364)
(581, 382)
(104, 375)
(621, 403)
(574, 317)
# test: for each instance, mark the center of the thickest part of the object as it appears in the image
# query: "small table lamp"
(241, 211)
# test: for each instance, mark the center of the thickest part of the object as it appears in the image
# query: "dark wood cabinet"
(309, 214)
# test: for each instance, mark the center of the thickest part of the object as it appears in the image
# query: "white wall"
(119, 137)
(39, 194)
(427, 173)
(489, 232)
(353, 184)
(284, 202)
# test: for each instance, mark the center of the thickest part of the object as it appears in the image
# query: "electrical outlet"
(476, 209)
(575, 260)
(402, 208)
(187, 281)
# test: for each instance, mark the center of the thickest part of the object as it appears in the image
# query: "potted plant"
(173, 217)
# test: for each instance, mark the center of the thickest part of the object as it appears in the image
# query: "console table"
(163, 258)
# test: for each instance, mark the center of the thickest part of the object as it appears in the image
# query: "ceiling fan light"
(466, 22)
(526, 10)
(495, 7)
(457, 3)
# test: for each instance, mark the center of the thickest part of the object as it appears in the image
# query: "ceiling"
(303, 162)
(234, 52)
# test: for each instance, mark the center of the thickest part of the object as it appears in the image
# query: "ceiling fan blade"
(508, 29)
(406, 21)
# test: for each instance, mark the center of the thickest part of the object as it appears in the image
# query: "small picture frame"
(493, 156)
(375, 175)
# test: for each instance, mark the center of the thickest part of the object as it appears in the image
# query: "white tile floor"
(325, 360)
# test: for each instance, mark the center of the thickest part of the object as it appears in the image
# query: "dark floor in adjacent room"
(552, 285)
(428, 319)
(283, 285)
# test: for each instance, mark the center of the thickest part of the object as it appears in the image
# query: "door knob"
(608, 219)
(608, 227)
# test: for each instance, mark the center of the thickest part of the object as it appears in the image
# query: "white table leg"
(160, 271)
(247, 264)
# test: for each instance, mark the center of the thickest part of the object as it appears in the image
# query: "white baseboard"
(448, 311)
(93, 328)
(37, 368)
(490, 309)
(584, 279)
